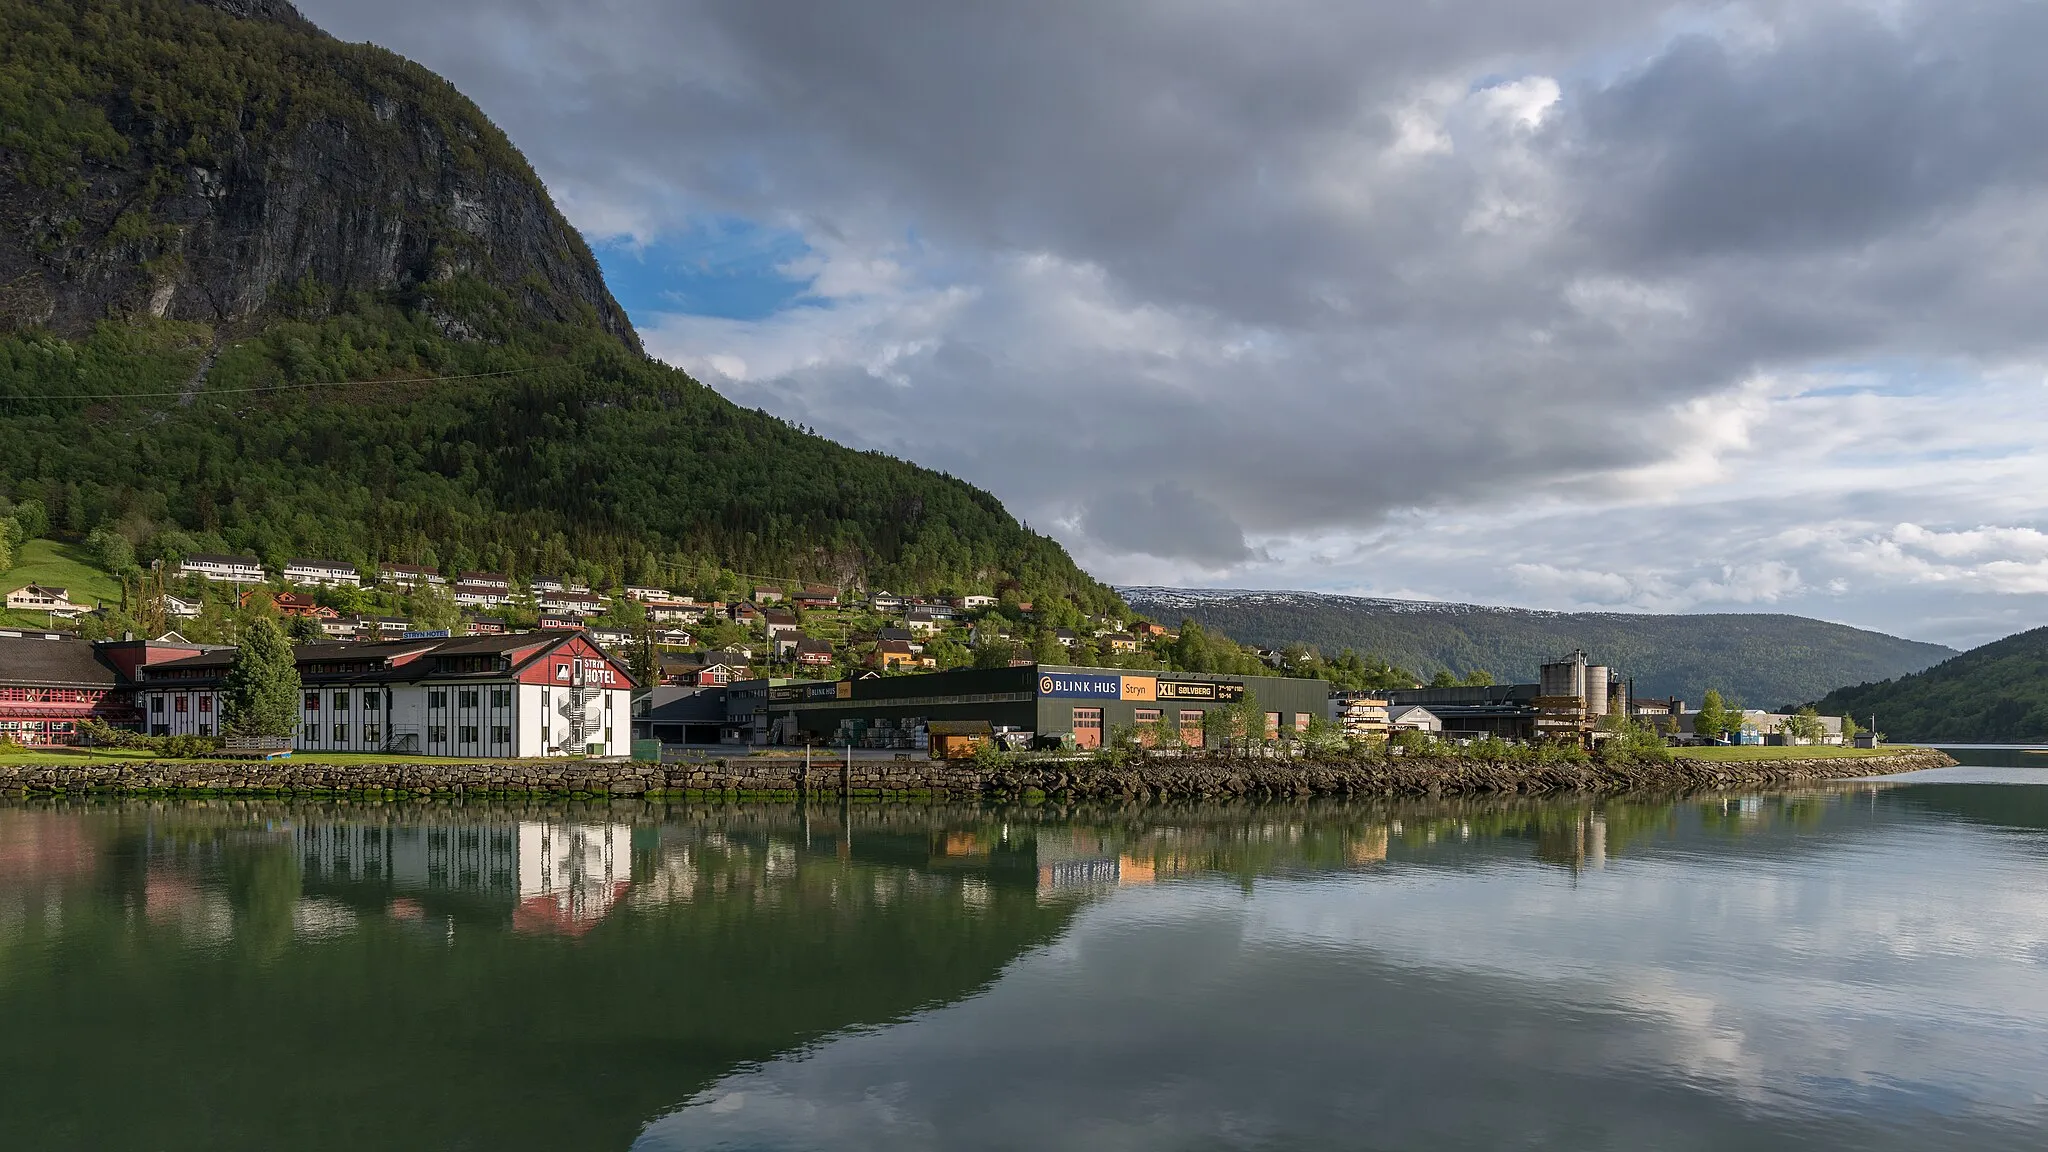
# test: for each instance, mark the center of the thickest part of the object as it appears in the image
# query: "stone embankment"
(767, 777)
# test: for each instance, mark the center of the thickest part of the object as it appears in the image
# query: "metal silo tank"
(1596, 689)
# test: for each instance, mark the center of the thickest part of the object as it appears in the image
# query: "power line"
(291, 387)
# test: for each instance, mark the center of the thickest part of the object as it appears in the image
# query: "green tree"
(1849, 729)
(32, 519)
(1443, 679)
(1805, 726)
(7, 531)
(111, 550)
(1711, 721)
(261, 694)
(1479, 678)
(432, 607)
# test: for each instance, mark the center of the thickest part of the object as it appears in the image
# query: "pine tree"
(261, 695)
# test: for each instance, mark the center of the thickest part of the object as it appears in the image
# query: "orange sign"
(1144, 688)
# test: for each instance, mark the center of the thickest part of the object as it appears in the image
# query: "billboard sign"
(1081, 685)
(1144, 689)
(427, 634)
(1200, 690)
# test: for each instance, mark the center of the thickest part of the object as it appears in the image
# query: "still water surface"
(1862, 966)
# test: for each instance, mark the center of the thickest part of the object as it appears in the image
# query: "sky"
(1575, 304)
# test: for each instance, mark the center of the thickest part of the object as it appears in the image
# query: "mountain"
(1994, 694)
(1761, 660)
(264, 291)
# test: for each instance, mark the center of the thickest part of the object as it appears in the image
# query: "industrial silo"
(1596, 689)
(1565, 677)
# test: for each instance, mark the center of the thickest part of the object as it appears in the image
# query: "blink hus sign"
(1080, 684)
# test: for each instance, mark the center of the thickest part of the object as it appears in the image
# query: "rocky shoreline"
(781, 778)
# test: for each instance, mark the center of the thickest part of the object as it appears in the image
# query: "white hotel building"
(229, 569)
(531, 694)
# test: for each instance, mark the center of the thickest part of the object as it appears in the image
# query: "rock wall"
(1205, 778)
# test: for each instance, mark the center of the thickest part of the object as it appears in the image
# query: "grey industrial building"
(1569, 699)
(1047, 702)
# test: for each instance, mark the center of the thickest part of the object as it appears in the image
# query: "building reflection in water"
(552, 877)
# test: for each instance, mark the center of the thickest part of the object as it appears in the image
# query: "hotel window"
(341, 733)
(468, 733)
(312, 701)
(370, 700)
(438, 698)
(501, 735)
(437, 733)
(181, 704)
(341, 701)
(501, 697)
(205, 704)
(312, 732)
(205, 729)
(156, 705)
(467, 698)
(370, 734)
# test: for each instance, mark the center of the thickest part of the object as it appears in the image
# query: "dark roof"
(887, 634)
(34, 659)
(496, 645)
(673, 705)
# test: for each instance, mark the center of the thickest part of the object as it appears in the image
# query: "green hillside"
(55, 565)
(1761, 660)
(198, 351)
(1994, 694)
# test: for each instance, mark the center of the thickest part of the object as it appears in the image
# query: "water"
(1858, 966)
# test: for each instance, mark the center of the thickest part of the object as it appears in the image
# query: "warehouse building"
(1041, 704)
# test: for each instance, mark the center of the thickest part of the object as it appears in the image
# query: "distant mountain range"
(1761, 660)
(1994, 694)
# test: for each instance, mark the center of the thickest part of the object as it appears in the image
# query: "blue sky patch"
(725, 267)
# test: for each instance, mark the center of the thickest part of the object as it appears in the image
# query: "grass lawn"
(56, 565)
(1742, 753)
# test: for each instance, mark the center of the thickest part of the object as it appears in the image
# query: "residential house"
(766, 595)
(1147, 630)
(1120, 642)
(646, 594)
(541, 585)
(921, 622)
(813, 653)
(339, 628)
(1414, 718)
(696, 671)
(226, 569)
(736, 654)
(409, 576)
(1361, 713)
(299, 605)
(973, 603)
(486, 626)
(988, 632)
(778, 624)
(939, 609)
(474, 696)
(40, 598)
(322, 574)
(481, 594)
(1066, 636)
(892, 654)
(381, 627)
(612, 637)
(561, 623)
(887, 603)
(497, 581)
(818, 596)
(666, 611)
(572, 603)
(745, 613)
(674, 638)
(180, 608)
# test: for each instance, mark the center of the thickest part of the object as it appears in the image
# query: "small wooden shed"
(958, 739)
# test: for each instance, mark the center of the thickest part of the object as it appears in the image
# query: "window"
(437, 733)
(1301, 721)
(180, 704)
(311, 732)
(156, 705)
(341, 701)
(205, 705)
(341, 733)
(1191, 727)
(205, 729)
(1147, 715)
(1272, 725)
(501, 735)
(468, 733)
(370, 734)
(501, 697)
(467, 698)
(312, 701)
(370, 701)
(437, 698)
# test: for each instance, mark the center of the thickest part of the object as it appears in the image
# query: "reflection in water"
(1854, 966)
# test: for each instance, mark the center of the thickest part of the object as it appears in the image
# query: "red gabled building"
(51, 683)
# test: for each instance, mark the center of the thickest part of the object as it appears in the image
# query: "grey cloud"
(1167, 521)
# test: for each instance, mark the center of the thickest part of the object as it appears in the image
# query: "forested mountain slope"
(1761, 660)
(264, 291)
(1994, 694)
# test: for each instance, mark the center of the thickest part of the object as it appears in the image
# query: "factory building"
(1038, 704)
(1570, 698)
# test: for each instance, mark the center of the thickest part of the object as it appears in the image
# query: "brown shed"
(958, 739)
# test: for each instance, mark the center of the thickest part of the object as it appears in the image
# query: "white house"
(471, 594)
(180, 608)
(1413, 718)
(637, 592)
(37, 598)
(531, 694)
(228, 569)
(409, 575)
(496, 581)
(971, 603)
(572, 603)
(921, 623)
(665, 611)
(322, 573)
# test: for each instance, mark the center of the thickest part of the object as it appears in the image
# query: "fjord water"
(1858, 966)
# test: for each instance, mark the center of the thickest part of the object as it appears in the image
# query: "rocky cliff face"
(221, 160)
